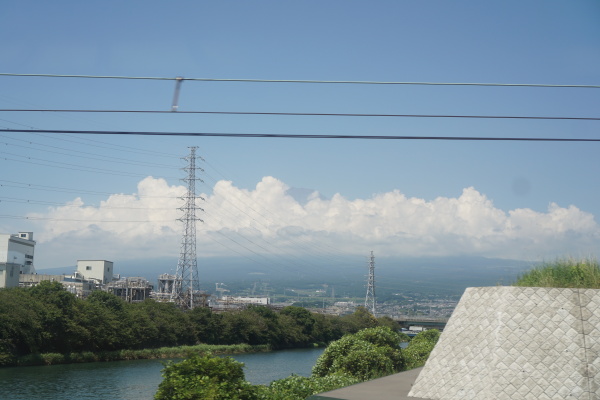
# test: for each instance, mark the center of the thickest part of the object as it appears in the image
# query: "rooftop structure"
(99, 270)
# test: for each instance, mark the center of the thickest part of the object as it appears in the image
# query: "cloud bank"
(269, 220)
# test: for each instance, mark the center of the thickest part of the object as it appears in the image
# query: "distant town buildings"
(263, 301)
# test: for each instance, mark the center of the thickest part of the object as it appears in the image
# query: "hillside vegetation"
(563, 273)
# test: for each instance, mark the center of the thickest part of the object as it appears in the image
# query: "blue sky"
(524, 200)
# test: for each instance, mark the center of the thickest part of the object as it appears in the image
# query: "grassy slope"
(563, 273)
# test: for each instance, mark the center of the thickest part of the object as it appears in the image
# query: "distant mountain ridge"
(448, 274)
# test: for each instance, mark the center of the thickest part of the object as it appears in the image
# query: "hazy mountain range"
(449, 275)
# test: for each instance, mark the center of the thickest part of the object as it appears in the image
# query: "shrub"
(419, 348)
(382, 336)
(204, 377)
(299, 387)
(370, 353)
(53, 358)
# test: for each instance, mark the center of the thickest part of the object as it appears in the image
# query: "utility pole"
(186, 288)
(370, 298)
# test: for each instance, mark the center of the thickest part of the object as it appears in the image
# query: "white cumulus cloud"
(268, 220)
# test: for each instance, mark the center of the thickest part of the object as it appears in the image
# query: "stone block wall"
(517, 343)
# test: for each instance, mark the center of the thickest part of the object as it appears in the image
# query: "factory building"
(131, 290)
(99, 270)
(16, 257)
(74, 283)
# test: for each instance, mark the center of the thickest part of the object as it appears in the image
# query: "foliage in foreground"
(205, 377)
(563, 273)
(299, 387)
(367, 354)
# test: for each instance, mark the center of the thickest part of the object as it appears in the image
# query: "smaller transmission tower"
(186, 290)
(370, 298)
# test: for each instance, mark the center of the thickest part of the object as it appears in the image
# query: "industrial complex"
(17, 269)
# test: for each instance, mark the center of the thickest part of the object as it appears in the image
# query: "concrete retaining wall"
(517, 343)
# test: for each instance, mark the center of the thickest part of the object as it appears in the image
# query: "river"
(134, 380)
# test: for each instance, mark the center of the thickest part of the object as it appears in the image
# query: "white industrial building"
(16, 257)
(99, 270)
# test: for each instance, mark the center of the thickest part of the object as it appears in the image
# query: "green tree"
(367, 354)
(389, 322)
(20, 324)
(208, 326)
(419, 348)
(171, 324)
(205, 378)
(326, 328)
(298, 326)
(253, 325)
(58, 314)
(144, 333)
(382, 336)
(102, 330)
(360, 319)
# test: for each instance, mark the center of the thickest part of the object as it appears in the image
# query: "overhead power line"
(303, 81)
(33, 218)
(308, 136)
(33, 186)
(294, 114)
(57, 204)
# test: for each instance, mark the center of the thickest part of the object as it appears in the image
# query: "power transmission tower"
(370, 298)
(186, 290)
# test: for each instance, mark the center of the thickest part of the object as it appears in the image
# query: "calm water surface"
(134, 380)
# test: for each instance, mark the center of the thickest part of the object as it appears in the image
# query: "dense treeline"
(48, 319)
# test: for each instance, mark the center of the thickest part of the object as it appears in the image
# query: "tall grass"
(563, 273)
(121, 355)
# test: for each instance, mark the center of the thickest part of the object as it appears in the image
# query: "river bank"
(136, 379)
(128, 355)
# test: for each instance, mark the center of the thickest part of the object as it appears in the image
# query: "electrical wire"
(32, 186)
(32, 218)
(304, 114)
(308, 136)
(179, 78)
(72, 167)
(81, 154)
(16, 123)
(57, 204)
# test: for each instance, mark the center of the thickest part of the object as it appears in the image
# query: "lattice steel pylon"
(186, 290)
(370, 298)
